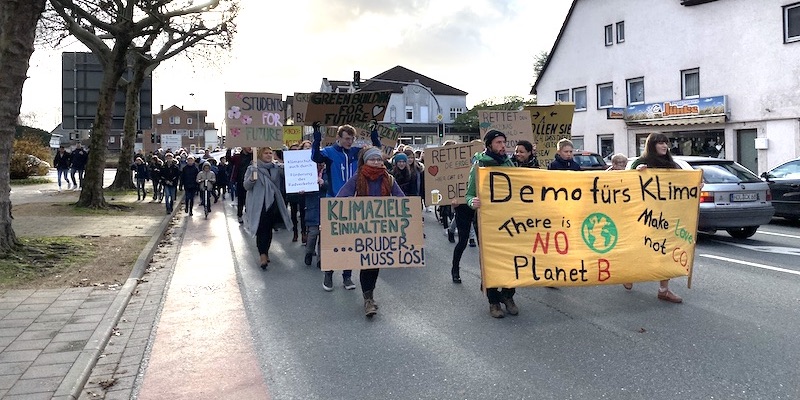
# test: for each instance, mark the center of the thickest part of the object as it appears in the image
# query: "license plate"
(744, 197)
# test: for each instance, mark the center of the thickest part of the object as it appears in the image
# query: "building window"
(158, 121)
(791, 23)
(605, 95)
(635, 91)
(191, 134)
(579, 98)
(562, 96)
(174, 131)
(393, 114)
(409, 114)
(620, 31)
(609, 30)
(112, 139)
(455, 112)
(188, 121)
(174, 120)
(690, 83)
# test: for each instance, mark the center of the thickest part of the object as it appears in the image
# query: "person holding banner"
(265, 206)
(341, 161)
(563, 160)
(524, 155)
(494, 156)
(371, 179)
(656, 155)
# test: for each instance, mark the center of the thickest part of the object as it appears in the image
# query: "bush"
(28, 158)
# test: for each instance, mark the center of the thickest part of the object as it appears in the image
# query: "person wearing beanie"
(494, 156)
(371, 179)
(341, 161)
(403, 175)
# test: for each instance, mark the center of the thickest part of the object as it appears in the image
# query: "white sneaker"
(59, 188)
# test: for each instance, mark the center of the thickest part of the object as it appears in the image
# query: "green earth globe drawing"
(599, 233)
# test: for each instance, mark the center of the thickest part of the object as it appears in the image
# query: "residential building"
(416, 103)
(175, 128)
(719, 78)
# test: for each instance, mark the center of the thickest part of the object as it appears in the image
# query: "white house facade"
(718, 77)
(415, 105)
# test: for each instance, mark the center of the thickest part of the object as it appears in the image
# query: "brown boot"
(511, 307)
(370, 308)
(496, 311)
(294, 238)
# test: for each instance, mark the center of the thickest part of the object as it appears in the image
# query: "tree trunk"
(92, 192)
(123, 180)
(18, 20)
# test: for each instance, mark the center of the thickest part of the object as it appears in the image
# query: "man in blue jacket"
(341, 162)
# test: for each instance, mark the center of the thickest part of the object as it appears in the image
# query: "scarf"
(499, 158)
(367, 174)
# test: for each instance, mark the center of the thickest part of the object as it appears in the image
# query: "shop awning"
(717, 119)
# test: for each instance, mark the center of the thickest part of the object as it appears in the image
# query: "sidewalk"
(50, 339)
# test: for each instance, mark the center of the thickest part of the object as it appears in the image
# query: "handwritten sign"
(254, 119)
(447, 170)
(388, 136)
(171, 142)
(299, 107)
(567, 228)
(515, 124)
(346, 108)
(371, 232)
(550, 124)
(292, 135)
(300, 171)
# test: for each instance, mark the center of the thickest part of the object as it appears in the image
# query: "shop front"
(695, 127)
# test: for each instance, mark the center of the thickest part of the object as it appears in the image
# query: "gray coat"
(262, 193)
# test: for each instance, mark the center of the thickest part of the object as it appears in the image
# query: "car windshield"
(726, 173)
(788, 170)
(588, 160)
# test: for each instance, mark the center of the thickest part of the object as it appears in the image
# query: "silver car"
(733, 198)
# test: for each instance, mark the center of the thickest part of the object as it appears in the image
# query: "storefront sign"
(615, 113)
(676, 109)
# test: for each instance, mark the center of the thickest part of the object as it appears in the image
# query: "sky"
(484, 47)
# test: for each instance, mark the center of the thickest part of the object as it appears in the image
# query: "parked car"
(784, 182)
(733, 198)
(589, 161)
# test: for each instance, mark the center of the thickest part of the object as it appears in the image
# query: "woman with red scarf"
(371, 179)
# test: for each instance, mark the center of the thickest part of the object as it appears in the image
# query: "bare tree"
(178, 37)
(110, 28)
(18, 19)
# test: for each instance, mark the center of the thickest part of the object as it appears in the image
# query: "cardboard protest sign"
(292, 135)
(254, 119)
(388, 136)
(515, 124)
(371, 232)
(550, 124)
(299, 107)
(447, 171)
(567, 228)
(334, 109)
(300, 171)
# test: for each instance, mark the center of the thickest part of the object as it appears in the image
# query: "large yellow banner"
(567, 228)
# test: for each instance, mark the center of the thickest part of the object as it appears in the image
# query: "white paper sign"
(300, 171)
(171, 141)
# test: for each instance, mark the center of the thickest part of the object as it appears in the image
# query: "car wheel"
(742, 233)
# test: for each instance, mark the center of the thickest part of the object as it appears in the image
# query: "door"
(746, 149)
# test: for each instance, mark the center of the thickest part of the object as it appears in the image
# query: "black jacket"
(62, 160)
(79, 159)
(170, 174)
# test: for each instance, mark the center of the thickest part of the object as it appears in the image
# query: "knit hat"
(372, 152)
(400, 157)
(492, 135)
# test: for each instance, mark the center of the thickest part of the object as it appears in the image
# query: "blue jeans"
(63, 172)
(169, 197)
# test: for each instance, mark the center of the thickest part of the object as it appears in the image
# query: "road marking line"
(751, 264)
(779, 234)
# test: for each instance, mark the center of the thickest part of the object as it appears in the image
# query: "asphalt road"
(735, 336)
